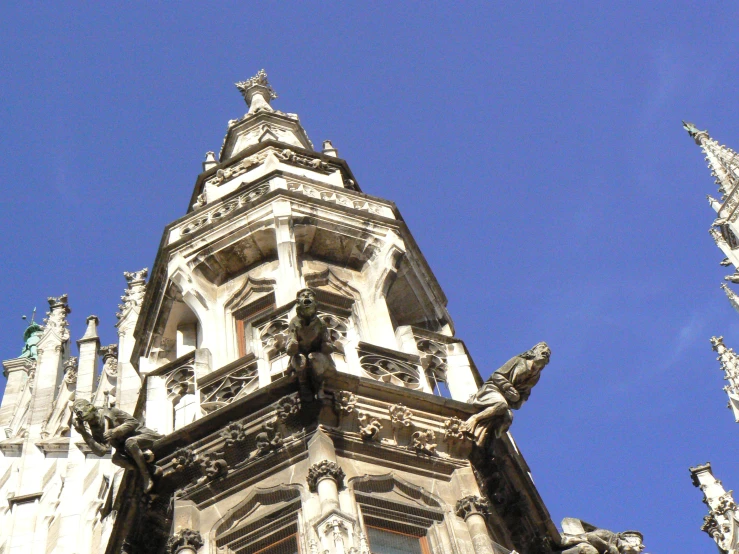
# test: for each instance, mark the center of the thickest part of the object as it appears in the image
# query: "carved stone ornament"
(134, 294)
(234, 434)
(70, 370)
(454, 429)
(470, 505)
(400, 416)
(325, 469)
(56, 317)
(267, 440)
(185, 540)
(369, 427)
(725, 504)
(421, 442)
(289, 156)
(212, 465)
(287, 406)
(183, 459)
(228, 173)
(110, 360)
(344, 402)
(205, 217)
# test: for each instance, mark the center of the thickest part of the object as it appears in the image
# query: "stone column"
(87, 368)
(326, 478)
(185, 541)
(474, 510)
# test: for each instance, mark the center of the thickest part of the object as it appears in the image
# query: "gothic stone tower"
(260, 453)
(722, 521)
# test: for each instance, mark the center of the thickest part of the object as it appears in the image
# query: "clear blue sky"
(536, 152)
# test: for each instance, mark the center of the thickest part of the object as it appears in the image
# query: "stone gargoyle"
(309, 346)
(506, 390)
(579, 537)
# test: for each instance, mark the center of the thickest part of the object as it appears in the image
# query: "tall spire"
(733, 297)
(730, 365)
(724, 165)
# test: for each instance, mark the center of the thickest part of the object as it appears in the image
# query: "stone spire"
(721, 521)
(724, 165)
(257, 92)
(730, 365)
(134, 294)
(733, 297)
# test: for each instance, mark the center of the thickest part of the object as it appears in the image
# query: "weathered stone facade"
(376, 452)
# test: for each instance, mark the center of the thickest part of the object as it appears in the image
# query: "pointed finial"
(257, 92)
(329, 150)
(694, 133)
(210, 161)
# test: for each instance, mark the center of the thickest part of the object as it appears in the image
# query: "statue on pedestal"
(309, 346)
(505, 390)
(111, 427)
(31, 338)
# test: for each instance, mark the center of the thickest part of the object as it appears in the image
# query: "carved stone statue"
(111, 427)
(506, 389)
(31, 336)
(309, 345)
(602, 541)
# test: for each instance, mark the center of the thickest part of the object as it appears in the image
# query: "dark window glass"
(382, 541)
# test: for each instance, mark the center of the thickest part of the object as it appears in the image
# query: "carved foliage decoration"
(453, 429)
(185, 539)
(267, 440)
(228, 173)
(287, 406)
(70, 370)
(234, 434)
(316, 164)
(225, 390)
(400, 416)
(389, 370)
(369, 427)
(205, 217)
(344, 402)
(334, 197)
(325, 470)
(422, 442)
(183, 460)
(470, 505)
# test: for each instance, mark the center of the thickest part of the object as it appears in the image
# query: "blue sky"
(535, 151)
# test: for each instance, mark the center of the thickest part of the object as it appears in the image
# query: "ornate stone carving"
(602, 541)
(218, 212)
(267, 440)
(111, 427)
(134, 294)
(334, 197)
(344, 402)
(369, 427)
(472, 504)
(228, 173)
(390, 370)
(183, 459)
(287, 406)
(185, 540)
(421, 442)
(294, 158)
(454, 429)
(325, 469)
(257, 92)
(180, 382)
(433, 360)
(730, 365)
(212, 464)
(273, 336)
(506, 389)
(400, 416)
(309, 346)
(70, 370)
(56, 317)
(110, 360)
(237, 384)
(234, 434)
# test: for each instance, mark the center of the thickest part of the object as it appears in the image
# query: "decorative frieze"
(400, 416)
(267, 440)
(186, 541)
(234, 434)
(347, 200)
(205, 217)
(183, 459)
(228, 173)
(454, 429)
(325, 470)
(316, 164)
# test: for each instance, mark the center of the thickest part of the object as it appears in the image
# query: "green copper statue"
(32, 336)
